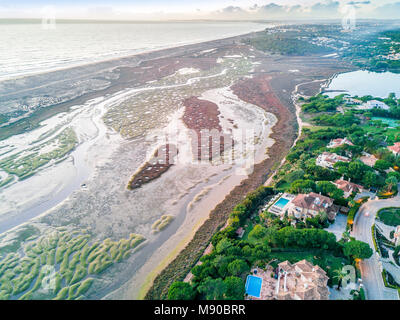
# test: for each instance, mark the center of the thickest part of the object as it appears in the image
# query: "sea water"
(27, 48)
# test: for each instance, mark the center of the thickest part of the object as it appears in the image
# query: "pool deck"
(280, 210)
(268, 285)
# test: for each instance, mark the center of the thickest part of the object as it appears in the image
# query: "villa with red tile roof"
(348, 187)
(395, 148)
(368, 159)
(309, 205)
(339, 142)
(299, 281)
(327, 160)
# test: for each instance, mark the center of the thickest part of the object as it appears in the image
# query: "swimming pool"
(281, 203)
(253, 286)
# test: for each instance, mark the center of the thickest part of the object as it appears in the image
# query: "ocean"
(29, 48)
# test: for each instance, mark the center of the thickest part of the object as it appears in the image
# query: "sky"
(197, 9)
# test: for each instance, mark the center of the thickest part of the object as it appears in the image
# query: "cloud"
(389, 11)
(319, 10)
(308, 10)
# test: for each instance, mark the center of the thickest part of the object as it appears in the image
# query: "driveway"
(371, 268)
(339, 226)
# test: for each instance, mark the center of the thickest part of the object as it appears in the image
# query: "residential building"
(240, 232)
(328, 160)
(377, 104)
(352, 101)
(368, 159)
(309, 205)
(301, 281)
(395, 148)
(348, 187)
(339, 142)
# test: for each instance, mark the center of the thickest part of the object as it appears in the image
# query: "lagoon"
(361, 83)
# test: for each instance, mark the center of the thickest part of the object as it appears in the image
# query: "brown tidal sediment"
(202, 117)
(256, 91)
(161, 161)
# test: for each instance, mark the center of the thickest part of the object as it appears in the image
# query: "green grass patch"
(324, 259)
(389, 216)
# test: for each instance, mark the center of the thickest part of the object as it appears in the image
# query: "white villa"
(327, 160)
(374, 104)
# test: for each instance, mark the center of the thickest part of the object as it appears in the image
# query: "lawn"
(390, 216)
(249, 224)
(325, 260)
(391, 133)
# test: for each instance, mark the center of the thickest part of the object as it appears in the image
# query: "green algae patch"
(59, 265)
(162, 223)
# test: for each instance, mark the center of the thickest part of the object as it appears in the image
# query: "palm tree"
(390, 183)
(340, 275)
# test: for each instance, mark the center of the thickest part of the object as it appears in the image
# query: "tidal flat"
(115, 132)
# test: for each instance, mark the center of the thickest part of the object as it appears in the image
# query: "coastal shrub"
(237, 267)
(234, 288)
(181, 291)
(321, 103)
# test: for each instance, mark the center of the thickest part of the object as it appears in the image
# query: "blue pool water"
(281, 203)
(253, 286)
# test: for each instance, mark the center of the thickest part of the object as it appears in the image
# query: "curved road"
(371, 268)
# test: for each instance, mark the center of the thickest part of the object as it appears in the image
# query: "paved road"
(371, 268)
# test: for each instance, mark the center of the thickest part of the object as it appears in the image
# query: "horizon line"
(73, 20)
